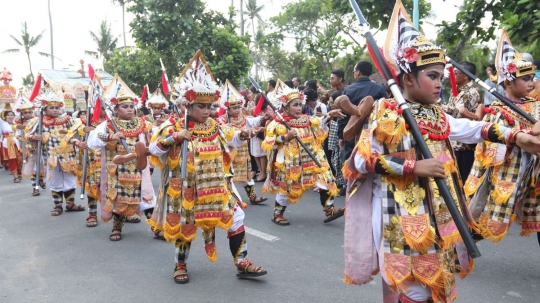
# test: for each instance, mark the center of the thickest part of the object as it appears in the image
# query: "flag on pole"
(37, 87)
(164, 82)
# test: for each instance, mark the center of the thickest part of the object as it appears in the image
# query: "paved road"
(58, 259)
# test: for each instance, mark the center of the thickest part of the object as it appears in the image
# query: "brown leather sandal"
(180, 275)
(35, 192)
(57, 210)
(116, 236)
(71, 206)
(279, 220)
(91, 221)
(243, 270)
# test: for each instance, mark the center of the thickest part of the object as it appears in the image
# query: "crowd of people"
(348, 140)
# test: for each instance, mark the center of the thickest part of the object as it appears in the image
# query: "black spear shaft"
(256, 85)
(39, 148)
(85, 155)
(493, 91)
(418, 137)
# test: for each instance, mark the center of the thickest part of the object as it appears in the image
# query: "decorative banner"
(8, 94)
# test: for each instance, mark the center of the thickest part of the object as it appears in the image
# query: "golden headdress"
(118, 93)
(406, 48)
(509, 62)
(196, 83)
(230, 96)
(157, 99)
(283, 94)
(48, 97)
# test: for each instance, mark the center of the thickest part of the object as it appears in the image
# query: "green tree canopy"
(175, 30)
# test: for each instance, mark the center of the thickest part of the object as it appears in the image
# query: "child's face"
(426, 88)
(294, 109)
(521, 87)
(234, 111)
(199, 112)
(126, 111)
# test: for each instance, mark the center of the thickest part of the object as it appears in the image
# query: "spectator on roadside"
(491, 71)
(467, 104)
(362, 88)
(289, 83)
(295, 82)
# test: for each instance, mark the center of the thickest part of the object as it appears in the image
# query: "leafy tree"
(27, 42)
(327, 29)
(177, 29)
(137, 67)
(28, 82)
(105, 41)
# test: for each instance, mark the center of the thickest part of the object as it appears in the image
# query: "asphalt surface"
(59, 259)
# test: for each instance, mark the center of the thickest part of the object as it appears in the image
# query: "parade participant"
(292, 171)
(157, 102)
(57, 152)
(126, 186)
(205, 198)
(504, 190)
(231, 102)
(26, 108)
(93, 170)
(11, 147)
(467, 104)
(396, 220)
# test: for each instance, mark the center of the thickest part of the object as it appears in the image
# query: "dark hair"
(297, 78)
(79, 113)
(335, 94)
(414, 72)
(492, 66)
(311, 94)
(289, 83)
(312, 83)
(469, 66)
(253, 89)
(339, 73)
(364, 67)
(145, 110)
(537, 63)
(301, 87)
(272, 83)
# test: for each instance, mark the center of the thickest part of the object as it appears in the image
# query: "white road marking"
(260, 234)
(514, 294)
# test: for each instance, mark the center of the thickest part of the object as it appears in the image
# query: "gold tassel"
(419, 240)
(396, 285)
(502, 192)
(464, 273)
(350, 281)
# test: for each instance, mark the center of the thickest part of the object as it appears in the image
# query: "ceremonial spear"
(35, 92)
(88, 118)
(493, 91)
(183, 167)
(259, 90)
(417, 135)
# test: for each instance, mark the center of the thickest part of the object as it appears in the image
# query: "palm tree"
(27, 42)
(106, 43)
(253, 12)
(123, 5)
(27, 82)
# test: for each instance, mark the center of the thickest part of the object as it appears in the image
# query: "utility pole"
(416, 13)
(52, 46)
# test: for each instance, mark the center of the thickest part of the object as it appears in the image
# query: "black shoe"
(343, 192)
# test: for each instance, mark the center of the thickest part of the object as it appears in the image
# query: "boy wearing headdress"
(292, 171)
(205, 198)
(231, 105)
(123, 189)
(397, 222)
(504, 180)
(58, 151)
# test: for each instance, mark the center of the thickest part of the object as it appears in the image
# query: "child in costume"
(125, 184)
(396, 220)
(205, 198)
(57, 150)
(292, 171)
(504, 180)
(11, 145)
(231, 115)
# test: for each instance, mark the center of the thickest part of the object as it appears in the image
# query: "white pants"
(61, 181)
